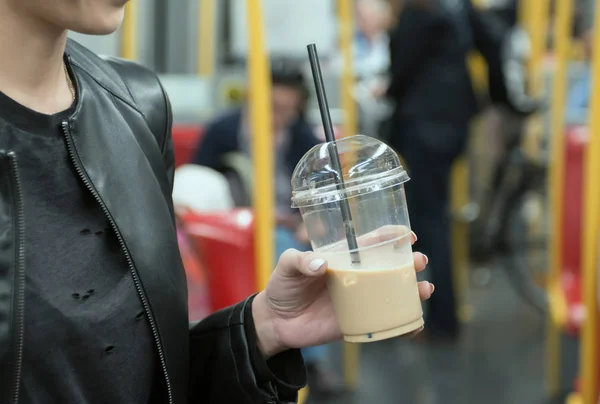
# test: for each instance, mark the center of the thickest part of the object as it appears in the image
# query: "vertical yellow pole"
(346, 35)
(206, 37)
(303, 396)
(460, 194)
(524, 16)
(262, 142)
(563, 27)
(537, 14)
(262, 148)
(591, 221)
(459, 197)
(476, 62)
(129, 29)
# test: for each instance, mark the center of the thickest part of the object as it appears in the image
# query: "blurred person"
(434, 100)
(370, 47)
(371, 42)
(579, 94)
(370, 63)
(293, 137)
(578, 98)
(93, 305)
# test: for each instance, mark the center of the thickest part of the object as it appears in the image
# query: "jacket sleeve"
(228, 340)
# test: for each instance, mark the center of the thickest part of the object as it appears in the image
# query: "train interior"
(528, 309)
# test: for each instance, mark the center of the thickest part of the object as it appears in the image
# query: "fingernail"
(315, 265)
(426, 259)
(432, 287)
(414, 235)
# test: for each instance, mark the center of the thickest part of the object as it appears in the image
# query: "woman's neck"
(32, 68)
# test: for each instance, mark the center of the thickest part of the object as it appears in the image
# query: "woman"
(93, 305)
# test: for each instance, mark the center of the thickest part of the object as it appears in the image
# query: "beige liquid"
(375, 304)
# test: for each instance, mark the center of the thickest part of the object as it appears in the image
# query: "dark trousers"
(429, 150)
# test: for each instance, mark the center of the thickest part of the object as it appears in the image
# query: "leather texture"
(120, 133)
(8, 276)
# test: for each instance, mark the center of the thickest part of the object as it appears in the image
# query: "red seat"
(226, 242)
(576, 141)
(197, 282)
(185, 142)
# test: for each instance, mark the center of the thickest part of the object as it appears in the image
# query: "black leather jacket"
(119, 140)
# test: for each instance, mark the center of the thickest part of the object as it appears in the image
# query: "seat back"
(201, 189)
(225, 241)
(238, 171)
(186, 140)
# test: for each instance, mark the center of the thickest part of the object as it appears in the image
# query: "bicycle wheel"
(526, 258)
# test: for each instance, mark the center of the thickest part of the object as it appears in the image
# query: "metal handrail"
(129, 31)
(590, 351)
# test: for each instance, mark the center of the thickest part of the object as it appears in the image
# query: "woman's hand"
(295, 310)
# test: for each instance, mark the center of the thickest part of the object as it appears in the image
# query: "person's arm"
(226, 364)
(411, 43)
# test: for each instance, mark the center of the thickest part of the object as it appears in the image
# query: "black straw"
(333, 152)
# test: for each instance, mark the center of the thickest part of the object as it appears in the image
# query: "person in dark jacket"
(294, 137)
(434, 102)
(93, 305)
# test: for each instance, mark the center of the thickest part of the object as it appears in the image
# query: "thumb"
(295, 263)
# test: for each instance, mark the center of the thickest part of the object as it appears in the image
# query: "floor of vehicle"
(499, 360)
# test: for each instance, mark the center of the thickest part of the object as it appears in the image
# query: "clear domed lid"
(368, 165)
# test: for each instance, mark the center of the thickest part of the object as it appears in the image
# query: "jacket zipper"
(136, 280)
(20, 303)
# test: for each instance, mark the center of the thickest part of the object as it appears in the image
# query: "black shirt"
(85, 328)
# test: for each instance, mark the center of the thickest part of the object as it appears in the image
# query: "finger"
(414, 333)
(294, 263)
(383, 234)
(425, 290)
(420, 260)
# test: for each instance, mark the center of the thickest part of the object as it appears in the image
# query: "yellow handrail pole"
(537, 24)
(563, 27)
(460, 194)
(476, 62)
(206, 37)
(524, 14)
(459, 198)
(591, 221)
(346, 34)
(303, 396)
(129, 32)
(536, 13)
(262, 143)
(262, 148)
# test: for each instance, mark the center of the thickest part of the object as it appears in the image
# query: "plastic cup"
(376, 298)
